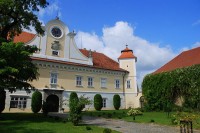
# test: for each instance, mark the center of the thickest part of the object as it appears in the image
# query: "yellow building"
(64, 68)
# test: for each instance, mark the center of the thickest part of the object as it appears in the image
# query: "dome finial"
(126, 46)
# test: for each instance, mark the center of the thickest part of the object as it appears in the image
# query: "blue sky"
(156, 30)
(169, 22)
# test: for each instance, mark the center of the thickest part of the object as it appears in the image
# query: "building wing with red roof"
(185, 59)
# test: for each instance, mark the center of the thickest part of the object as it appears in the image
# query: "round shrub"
(116, 101)
(36, 102)
(98, 102)
(2, 100)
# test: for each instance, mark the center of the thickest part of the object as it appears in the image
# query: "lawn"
(147, 117)
(35, 123)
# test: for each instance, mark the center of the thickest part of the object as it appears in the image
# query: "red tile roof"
(102, 61)
(126, 53)
(24, 37)
(185, 59)
(114, 66)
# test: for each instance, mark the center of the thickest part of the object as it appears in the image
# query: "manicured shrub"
(36, 102)
(73, 98)
(107, 130)
(98, 102)
(116, 101)
(2, 100)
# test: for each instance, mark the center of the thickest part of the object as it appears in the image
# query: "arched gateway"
(53, 103)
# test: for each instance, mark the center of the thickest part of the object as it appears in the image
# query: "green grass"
(37, 123)
(158, 117)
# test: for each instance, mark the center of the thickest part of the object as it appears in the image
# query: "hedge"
(162, 90)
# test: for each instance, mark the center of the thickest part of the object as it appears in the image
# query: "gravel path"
(129, 127)
(126, 127)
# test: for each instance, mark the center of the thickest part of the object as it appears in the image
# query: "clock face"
(56, 32)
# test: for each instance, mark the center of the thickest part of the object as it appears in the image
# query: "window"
(55, 52)
(128, 84)
(117, 84)
(103, 82)
(18, 102)
(104, 102)
(54, 77)
(90, 82)
(78, 81)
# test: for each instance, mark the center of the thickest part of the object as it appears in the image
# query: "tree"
(16, 15)
(16, 66)
(36, 103)
(98, 102)
(116, 101)
(76, 105)
(2, 99)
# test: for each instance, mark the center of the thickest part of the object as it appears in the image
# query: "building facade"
(64, 68)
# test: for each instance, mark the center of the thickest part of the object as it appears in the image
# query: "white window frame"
(53, 78)
(103, 82)
(79, 80)
(117, 83)
(128, 84)
(18, 102)
(90, 81)
(104, 102)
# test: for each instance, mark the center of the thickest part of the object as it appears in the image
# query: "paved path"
(127, 127)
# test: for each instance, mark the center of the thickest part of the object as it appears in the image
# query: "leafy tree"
(98, 102)
(16, 15)
(116, 101)
(76, 105)
(16, 66)
(2, 99)
(36, 103)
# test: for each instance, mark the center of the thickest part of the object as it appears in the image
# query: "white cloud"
(89, 41)
(197, 44)
(50, 10)
(150, 56)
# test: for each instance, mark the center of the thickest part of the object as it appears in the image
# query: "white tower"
(127, 61)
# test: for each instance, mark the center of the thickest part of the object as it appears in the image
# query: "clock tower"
(56, 36)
